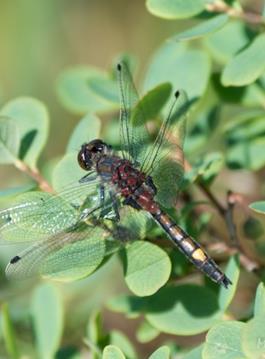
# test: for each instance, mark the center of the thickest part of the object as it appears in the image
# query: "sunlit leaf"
(247, 65)
(258, 206)
(161, 353)
(178, 65)
(112, 352)
(223, 341)
(120, 340)
(31, 120)
(76, 95)
(202, 29)
(253, 341)
(235, 36)
(86, 130)
(9, 140)
(195, 353)
(146, 332)
(47, 304)
(175, 9)
(146, 268)
(226, 294)
(259, 308)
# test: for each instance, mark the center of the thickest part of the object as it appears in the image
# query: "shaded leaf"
(195, 353)
(174, 310)
(9, 333)
(120, 340)
(9, 140)
(253, 338)
(146, 332)
(259, 308)
(202, 29)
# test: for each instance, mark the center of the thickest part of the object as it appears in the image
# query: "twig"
(221, 7)
(34, 174)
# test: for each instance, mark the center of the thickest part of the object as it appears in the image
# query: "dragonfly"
(74, 229)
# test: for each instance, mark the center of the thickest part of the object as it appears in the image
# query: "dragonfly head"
(90, 153)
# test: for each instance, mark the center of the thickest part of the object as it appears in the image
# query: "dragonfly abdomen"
(192, 249)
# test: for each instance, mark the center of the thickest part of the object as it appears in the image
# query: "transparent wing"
(133, 132)
(34, 215)
(164, 159)
(66, 256)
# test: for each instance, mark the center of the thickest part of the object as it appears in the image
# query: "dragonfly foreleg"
(129, 201)
(115, 205)
(91, 176)
(150, 183)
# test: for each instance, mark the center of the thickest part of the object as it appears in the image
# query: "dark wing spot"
(15, 260)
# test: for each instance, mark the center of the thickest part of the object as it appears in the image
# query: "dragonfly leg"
(115, 205)
(88, 177)
(150, 183)
(129, 201)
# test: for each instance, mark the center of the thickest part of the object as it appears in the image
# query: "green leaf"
(227, 294)
(173, 310)
(253, 339)
(195, 353)
(47, 316)
(32, 120)
(161, 353)
(178, 65)
(9, 333)
(146, 332)
(104, 88)
(248, 155)
(223, 341)
(258, 207)
(152, 102)
(9, 140)
(235, 36)
(14, 191)
(75, 93)
(112, 352)
(86, 130)
(94, 327)
(120, 340)
(127, 304)
(259, 308)
(247, 66)
(146, 267)
(66, 172)
(202, 29)
(175, 9)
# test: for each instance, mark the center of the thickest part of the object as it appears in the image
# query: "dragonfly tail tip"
(226, 281)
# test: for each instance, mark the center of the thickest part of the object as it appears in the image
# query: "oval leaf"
(47, 304)
(86, 130)
(146, 332)
(259, 309)
(178, 65)
(174, 310)
(223, 341)
(204, 28)
(247, 66)
(112, 352)
(253, 340)
(258, 207)
(161, 353)
(9, 140)
(227, 294)
(175, 9)
(32, 121)
(76, 95)
(9, 333)
(146, 268)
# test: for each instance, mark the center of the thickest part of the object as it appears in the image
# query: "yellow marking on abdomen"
(199, 255)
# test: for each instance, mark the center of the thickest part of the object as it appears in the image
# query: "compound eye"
(83, 160)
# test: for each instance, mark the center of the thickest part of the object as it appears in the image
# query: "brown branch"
(35, 175)
(221, 7)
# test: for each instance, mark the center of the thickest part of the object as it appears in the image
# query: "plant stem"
(34, 174)
(221, 7)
